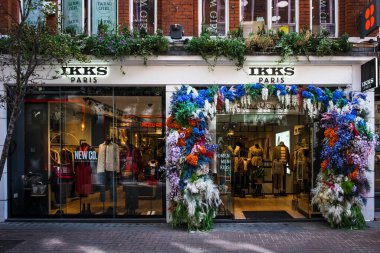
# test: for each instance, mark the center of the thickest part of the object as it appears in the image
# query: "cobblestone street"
(160, 237)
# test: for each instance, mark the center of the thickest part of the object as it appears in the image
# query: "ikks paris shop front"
(176, 140)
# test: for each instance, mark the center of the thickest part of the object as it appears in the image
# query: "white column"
(170, 89)
(369, 209)
(3, 182)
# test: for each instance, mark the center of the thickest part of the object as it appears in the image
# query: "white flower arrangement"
(264, 93)
(200, 196)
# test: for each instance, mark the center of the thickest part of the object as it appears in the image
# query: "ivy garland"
(341, 187)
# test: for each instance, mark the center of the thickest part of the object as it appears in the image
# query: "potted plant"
(259, 174)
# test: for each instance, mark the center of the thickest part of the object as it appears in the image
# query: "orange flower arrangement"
(187, 132)
(192, 159)
(201, 149)
(193, 122)
(181, 142)
(353, 175)
(324, 164)
(331, 134)
(171, 123)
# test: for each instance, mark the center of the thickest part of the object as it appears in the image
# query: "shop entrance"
(265, 164)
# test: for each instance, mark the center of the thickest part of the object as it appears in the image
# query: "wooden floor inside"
(267, 203)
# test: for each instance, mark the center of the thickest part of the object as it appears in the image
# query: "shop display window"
(90, 152)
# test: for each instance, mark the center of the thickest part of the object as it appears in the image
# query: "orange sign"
(369, 19)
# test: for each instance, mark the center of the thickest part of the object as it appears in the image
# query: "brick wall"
(234, 14)
(178, 12)
(9, 13)
(304, 14)
(124, 13)
(185, 12)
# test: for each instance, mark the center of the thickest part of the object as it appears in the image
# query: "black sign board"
(369, 19)
(369, 76)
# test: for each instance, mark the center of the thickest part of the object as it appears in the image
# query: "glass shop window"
(90, 152)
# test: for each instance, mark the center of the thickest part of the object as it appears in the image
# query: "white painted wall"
(174, 70)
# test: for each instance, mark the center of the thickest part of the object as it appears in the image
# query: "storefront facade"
(90, 144)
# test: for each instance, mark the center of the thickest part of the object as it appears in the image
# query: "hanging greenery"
(342, 185)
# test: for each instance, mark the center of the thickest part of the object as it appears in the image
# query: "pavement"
(160, 237)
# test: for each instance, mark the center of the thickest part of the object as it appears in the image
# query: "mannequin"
(108, 165)
(255, 155)
(280, 155)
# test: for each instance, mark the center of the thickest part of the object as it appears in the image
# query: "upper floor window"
(35, 8)
(103, 13)
(282, 14)
(73, 15)
(254, 10)
(323, 16)
(144, 15)
(214, 16)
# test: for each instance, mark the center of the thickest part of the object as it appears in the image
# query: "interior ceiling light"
(282, 4)
(276, 18)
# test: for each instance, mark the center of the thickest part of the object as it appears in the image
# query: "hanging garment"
(84, 155)
(255, 154)
(108, 157)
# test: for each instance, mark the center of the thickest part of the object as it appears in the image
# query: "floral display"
(194, 198)
(341, 185)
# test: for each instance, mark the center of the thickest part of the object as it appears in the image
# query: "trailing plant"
(124, 43)
(212, 48)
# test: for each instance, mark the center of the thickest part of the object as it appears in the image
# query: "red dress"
(83, 184)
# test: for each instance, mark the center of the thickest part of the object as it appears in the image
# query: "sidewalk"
(226, 237)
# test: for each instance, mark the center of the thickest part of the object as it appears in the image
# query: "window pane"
(324, 16)
(103, 12)
(90, 153)
(254, 10)
(35, 14)
(73, 15)
(143, 15)
(284, 15)
(213, 16)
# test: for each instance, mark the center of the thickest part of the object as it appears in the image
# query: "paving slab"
(160, 237)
